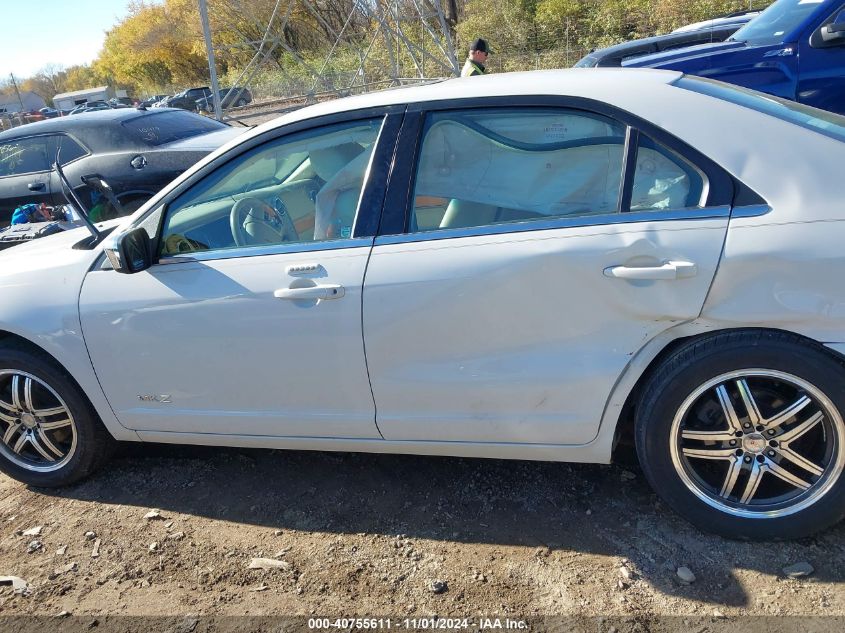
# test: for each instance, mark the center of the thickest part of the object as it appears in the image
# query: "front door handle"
(667, 270)
(36, 186)
(310, 293)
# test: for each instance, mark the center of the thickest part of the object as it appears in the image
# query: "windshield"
(158, 128)
(776, 23)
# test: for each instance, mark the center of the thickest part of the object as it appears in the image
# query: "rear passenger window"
(499, 166)
(69, 150)
(664, 180)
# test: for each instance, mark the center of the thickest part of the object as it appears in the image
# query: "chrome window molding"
(750, 211)
(558, 223)
(270, 249)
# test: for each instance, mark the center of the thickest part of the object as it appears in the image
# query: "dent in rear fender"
(783, 276)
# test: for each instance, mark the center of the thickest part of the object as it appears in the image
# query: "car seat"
(343, 168)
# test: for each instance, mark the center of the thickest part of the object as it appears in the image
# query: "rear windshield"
(159, 128)
(774, 24)
(822, 121)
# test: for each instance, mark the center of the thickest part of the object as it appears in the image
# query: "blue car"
(795, 49)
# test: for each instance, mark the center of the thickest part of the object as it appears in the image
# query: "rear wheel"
(743, 435)
(49, 434)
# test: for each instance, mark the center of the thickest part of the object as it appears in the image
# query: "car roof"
(577, 82)
(88, 126)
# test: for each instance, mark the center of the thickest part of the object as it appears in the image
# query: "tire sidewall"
(663, 398)
(90, 440)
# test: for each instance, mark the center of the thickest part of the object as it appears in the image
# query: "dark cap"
(481, 46)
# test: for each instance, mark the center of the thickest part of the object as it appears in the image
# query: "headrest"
(326, 162)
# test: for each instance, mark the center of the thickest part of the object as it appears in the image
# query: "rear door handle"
(310, 293)
(36, 186)
(668, 270)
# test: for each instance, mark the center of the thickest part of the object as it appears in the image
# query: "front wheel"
(743, 434)
(50, 436)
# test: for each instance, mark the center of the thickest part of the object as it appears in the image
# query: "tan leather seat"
(462, 214)
(337, 200)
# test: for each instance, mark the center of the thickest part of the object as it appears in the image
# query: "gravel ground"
(382, 535)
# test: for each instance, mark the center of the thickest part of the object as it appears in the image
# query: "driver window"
(303, 187)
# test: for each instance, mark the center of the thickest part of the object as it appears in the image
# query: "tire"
(40, 401)
(742, 434)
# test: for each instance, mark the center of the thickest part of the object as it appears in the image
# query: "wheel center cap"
(754, 443)
(29, 420)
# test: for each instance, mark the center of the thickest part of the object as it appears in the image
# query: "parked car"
(537, 265)
(229, 97)
(187, 99)
(707, 32)
(137, 152)
(765, 53)
(49, 113)
(90, 106)
(150, 101)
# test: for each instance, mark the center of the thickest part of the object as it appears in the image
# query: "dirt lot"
(369, 534)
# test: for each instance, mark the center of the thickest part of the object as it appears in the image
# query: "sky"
(64, 32)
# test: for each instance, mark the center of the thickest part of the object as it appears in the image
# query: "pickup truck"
(795, 49)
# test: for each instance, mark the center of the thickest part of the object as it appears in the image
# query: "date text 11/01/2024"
(418, 623)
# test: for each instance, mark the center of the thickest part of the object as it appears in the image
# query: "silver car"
(529, 266)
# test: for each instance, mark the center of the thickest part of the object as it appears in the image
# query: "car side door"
(527, 252)
(24, 174)
(250, 321)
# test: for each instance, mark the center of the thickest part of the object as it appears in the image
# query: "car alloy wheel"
(758, 443)
(38, 431)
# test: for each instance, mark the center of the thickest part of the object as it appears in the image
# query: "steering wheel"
(267, 225)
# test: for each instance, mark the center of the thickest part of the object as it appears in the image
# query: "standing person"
(478, 54)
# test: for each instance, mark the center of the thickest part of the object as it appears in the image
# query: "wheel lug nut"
(771, 453)
(733, 442)
(746, 426)
(747, 459)
(771, 431)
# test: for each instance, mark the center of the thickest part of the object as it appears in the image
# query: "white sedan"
(527, 266)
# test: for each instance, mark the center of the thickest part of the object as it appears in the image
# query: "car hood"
(54, 252)
(672, 59)
(205, 142)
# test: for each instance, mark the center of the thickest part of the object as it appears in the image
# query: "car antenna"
(73, 200)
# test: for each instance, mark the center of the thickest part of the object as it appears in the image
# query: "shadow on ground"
(573, 507)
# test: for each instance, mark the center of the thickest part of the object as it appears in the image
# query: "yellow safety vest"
(472, 68)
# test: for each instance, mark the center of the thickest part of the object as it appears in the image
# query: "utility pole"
(17, 92)
(212, 67)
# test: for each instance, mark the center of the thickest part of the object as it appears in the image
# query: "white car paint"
(233, 358)
(796, 288)
(520, 337)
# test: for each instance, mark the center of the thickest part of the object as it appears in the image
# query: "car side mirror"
(131, 252)
(835, 31)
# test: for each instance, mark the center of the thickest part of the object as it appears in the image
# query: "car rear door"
(526, 253)
(24, 174)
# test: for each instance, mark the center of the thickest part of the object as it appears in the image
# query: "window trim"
(562, 222)
(396, 216)
(372, 194)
